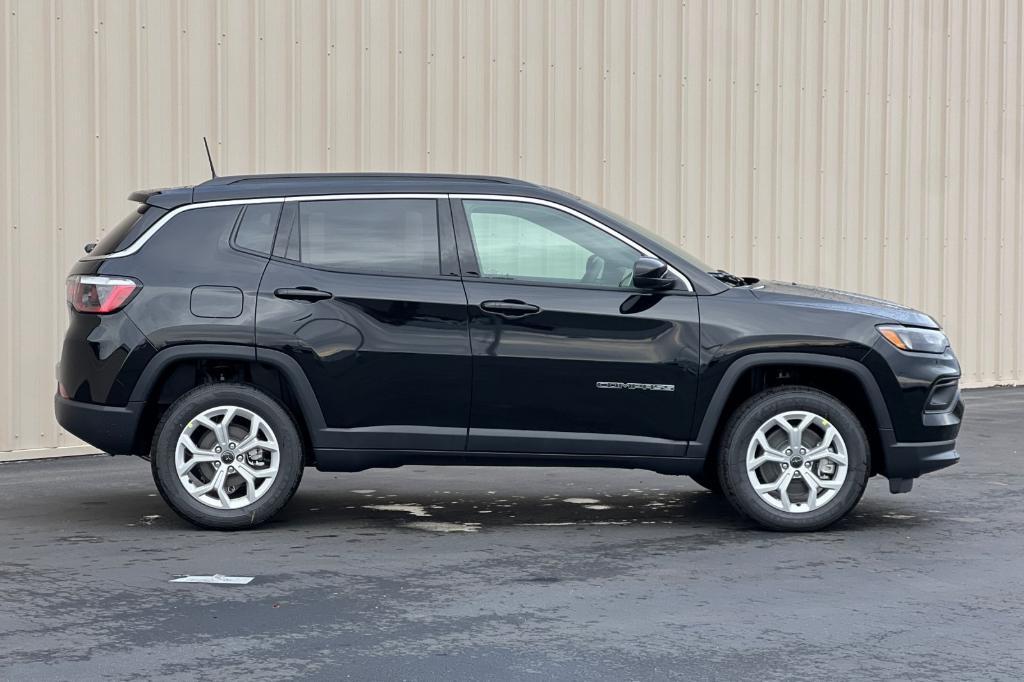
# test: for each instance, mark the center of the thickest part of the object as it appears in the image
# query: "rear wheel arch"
(177, 370)
(845, 379)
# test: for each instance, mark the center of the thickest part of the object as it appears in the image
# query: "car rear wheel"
(227, 456)
(794, 459)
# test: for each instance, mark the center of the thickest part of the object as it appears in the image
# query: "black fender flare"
(713, 414)
(289, 368)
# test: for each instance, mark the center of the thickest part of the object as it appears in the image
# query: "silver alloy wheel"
(227, 457)
(797, 462)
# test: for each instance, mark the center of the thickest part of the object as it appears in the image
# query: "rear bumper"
(110, 429)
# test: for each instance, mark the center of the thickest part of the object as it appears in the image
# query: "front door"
(365, 294)
(569, 357)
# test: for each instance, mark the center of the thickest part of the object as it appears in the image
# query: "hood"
(833, 299)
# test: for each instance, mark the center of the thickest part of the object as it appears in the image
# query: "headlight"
(915, 339)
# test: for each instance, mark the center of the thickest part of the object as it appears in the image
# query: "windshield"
(663, 244)
(656, 238)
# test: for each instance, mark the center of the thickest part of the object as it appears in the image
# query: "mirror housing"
(651, 273)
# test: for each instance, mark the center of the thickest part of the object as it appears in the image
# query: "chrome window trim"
(148, 234)
(582, 216)
(376, 195)
(155, 227)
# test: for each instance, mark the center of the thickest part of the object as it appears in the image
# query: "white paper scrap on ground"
(214, 579)
(414, 509)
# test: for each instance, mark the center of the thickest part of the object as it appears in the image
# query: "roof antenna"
(209, 157)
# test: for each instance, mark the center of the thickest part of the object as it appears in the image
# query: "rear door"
(364, 292)
(568, 356)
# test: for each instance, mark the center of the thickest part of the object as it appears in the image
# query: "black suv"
(240, 330)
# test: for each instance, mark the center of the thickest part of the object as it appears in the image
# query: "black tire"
(742, 427)
(708, 480)
(192, 404)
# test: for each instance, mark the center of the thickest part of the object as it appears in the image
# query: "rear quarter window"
(257, 227)
(131, 227)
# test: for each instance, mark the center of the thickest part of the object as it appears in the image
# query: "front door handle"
(303, 294)
(509, 308)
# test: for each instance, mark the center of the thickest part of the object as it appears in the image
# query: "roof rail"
(327, 177)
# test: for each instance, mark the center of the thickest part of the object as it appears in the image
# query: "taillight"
(100, 294)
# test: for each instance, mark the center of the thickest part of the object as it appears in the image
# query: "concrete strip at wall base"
(972, 385)
(47, 453)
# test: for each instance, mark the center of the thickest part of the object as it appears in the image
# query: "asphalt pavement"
(508, 573)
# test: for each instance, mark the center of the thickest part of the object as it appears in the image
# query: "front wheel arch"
(846, 380)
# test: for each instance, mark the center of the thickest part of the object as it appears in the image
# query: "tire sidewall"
(187, 408)
(741, 429)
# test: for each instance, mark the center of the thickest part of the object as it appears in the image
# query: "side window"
(257, 227)
(381, 236)
(534, 243)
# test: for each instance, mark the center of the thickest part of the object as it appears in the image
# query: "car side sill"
(328, 459)
(570, 442)
(392, 437)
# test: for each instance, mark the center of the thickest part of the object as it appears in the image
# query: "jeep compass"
(237, 331)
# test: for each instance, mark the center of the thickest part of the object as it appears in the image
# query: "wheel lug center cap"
(795, 461)
(227, 459)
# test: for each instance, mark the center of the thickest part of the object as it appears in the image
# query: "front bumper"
(910, 460)
(110, 429)
(905, 461)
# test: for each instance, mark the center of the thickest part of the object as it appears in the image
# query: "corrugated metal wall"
(872, 146)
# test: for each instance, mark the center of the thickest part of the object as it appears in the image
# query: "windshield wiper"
(729, 278)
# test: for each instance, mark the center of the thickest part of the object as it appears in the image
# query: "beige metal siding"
(872, 146)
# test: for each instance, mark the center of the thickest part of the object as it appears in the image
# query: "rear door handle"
(509, 308)
(303, 294)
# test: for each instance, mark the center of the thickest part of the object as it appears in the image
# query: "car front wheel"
(794, 459)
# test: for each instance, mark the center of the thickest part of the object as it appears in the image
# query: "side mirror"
(651, 273)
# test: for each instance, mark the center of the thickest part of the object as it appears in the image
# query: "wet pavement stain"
(667, 583)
